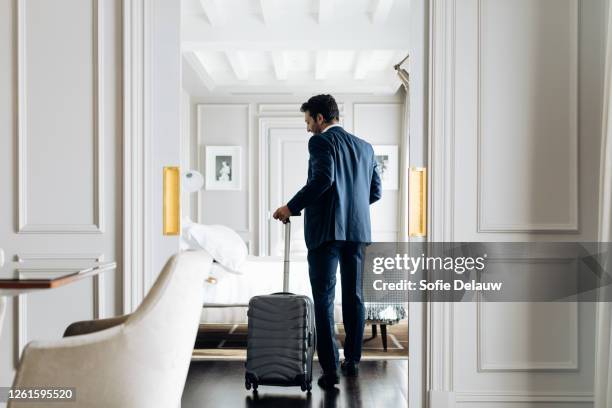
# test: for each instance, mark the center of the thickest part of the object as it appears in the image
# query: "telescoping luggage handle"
(286, 260)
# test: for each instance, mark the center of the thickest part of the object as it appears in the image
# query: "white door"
(514, 140)
(60, 159)
(285, 150)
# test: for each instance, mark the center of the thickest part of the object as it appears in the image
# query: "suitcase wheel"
(248, 384)
(306, 387)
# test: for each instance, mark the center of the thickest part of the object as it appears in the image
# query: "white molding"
(252, 179)
(136, 151)
(98, 295)
(441, 122)
(375, 104)
(571, 364)
(572, 224)
(523, 396)
(418, 106)
(97, 227)
(440, 315)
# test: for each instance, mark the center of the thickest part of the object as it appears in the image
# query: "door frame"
(439, 315)
(151, 127)
(136, 258)
(420, 143)
(138, 18)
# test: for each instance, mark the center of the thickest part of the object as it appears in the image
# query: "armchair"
(138, 360)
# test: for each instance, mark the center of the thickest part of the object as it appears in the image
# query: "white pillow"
(222, 243)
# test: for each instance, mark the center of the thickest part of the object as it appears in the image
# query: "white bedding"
(261, 276)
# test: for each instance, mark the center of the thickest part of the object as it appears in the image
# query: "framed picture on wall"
(223, 167)
(388, 165)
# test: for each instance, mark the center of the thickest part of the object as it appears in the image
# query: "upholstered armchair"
(138, 360)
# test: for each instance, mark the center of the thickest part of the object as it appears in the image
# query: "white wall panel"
(527, 336)
(528, 115)
(59, 126)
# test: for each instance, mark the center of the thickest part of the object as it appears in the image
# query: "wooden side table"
(16, 286)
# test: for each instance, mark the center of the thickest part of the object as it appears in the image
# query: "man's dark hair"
(323, 104)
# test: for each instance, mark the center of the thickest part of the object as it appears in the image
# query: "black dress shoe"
(350, 368)
(327, 381)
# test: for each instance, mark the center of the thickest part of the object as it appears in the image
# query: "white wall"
(236, 121)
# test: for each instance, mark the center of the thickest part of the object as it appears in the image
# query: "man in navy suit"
(342, 183)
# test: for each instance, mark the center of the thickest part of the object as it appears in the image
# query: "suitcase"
(281, 336)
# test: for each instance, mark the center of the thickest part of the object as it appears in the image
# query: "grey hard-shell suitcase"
(281, 336)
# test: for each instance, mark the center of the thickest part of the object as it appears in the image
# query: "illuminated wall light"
(172, 201)
(417, 202)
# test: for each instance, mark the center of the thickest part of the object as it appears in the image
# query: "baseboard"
(523, 397)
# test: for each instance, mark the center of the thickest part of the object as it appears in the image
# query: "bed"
(226, 295)
(236, 277)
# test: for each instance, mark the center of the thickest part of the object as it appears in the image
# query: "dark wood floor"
(221, 384)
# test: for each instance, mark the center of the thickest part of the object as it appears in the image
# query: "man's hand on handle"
(282, 213)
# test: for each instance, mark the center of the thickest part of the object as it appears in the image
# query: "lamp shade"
(192, 181)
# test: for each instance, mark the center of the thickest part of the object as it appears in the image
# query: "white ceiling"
(293, 46)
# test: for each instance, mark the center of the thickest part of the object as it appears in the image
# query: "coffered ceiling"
(293, 46)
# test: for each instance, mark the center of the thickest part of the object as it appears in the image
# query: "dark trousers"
(322, 265)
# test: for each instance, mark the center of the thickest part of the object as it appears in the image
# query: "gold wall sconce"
(172, 201)
(417, 202)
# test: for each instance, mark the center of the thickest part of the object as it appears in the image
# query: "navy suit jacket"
(343, 181)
